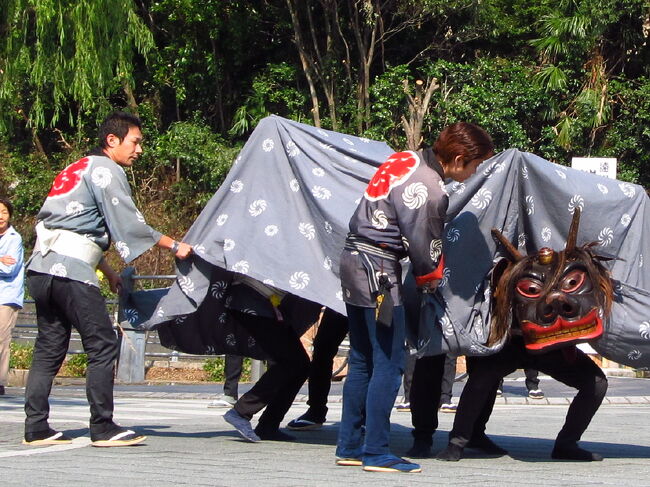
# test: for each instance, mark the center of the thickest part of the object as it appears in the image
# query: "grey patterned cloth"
(91, 197)
(282, 214)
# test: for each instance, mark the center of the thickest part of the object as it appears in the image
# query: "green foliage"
(215, 368)
(31, 177)
(203, 158)
(272, 92)
(20, 356)
(75, 366)
(61, 58)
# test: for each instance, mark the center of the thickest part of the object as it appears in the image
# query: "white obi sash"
(70, 244)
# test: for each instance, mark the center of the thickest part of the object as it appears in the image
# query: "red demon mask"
(556, 298)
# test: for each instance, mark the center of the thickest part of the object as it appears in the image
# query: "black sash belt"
(379, 283)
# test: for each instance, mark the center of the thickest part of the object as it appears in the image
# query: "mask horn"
(514, 253)
(573, 231)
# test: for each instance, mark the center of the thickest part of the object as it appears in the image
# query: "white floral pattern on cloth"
(625, 219)
(59, 270)
(268, 145)
(379, 220)
(453, 234)
(228, 245)
(74, 208)
(481, 199)
(321, 192)
(236, 186)
(299, 280)
(529, 203)
(101, 177)
(294, 185)
(546, 234)
(241, 266)
(415, 195)
(576, 201)
(186, 284)
(606, 236)
(307, 230)
(627, 189)
(122, 249)
(447, 328)
(435, 249)
(139, 216)
(218, 289)
(271, 230)
(644, 330)
(222, 219)
(257, 207)
(292, 149)
(131, 315)
(319, 172)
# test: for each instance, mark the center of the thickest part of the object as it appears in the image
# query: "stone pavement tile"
(558, 401)
(515, 400)
(616, 400)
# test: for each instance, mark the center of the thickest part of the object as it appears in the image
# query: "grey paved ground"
(190, 444)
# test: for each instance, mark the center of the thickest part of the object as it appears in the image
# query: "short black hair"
(118, 124)
(7, 203)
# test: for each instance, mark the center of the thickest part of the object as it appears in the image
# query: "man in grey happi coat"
(88, 206)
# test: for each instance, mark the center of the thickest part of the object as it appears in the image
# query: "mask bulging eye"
(573, 281)
(529, 288)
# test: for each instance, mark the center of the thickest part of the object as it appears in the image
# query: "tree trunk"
(304, 61)
(418, 106)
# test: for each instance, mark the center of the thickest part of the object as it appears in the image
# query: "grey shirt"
(91, 197)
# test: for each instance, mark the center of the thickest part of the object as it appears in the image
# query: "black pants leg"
(447, 382)
(425, 397)
(232, 371)
(407, 378)
(580, 372)
(278, 386)
(61, 304)
(532, 379)
(331, 332)
(478, 396)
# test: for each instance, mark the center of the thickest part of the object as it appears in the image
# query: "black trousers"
(287, 371)
(570, 366)
(61, 304)
(232, 370)
(425, 396)
(331, 332)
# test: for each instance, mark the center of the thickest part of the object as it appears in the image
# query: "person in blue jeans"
(401, 214)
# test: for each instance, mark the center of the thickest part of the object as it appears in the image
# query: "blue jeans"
(374, 375)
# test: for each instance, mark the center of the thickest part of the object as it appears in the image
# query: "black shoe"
(2, 390)
(46, 437)
(116, 437)
(273, 435)
(452, 453)
(486, 445)
(575, 453)
(306, 422)
(419, 449)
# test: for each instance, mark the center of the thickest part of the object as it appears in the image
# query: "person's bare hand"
(184, 251)
(7, 260)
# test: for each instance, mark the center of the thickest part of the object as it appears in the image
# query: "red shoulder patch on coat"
(395, 171)
(69, 179)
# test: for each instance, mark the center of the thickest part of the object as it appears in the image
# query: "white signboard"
(603, 166)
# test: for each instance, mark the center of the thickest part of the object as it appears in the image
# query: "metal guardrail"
(136, 347)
